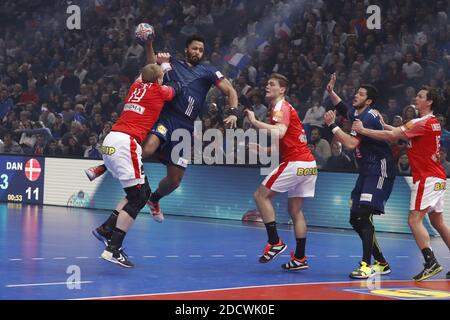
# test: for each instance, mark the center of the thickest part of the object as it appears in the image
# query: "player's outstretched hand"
(163, 57)
(230, 122)
(357, 126)
(330, 85)
(251, 115)
(330, 117)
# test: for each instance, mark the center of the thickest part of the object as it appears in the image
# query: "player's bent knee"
(360, 219)
(137, 199)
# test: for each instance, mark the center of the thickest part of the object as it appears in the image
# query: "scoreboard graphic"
(22, 179)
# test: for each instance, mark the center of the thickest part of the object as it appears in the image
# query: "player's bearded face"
(194, 52)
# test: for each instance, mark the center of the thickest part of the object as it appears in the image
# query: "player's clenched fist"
(163, 57)
(330, 117)
(357, 126)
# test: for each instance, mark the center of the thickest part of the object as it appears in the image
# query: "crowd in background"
(62, 90)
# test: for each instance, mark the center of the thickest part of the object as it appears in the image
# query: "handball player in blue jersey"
(196, 79)
(376, 173)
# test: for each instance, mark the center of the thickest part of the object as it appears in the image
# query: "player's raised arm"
(227, 89)
(338, 104)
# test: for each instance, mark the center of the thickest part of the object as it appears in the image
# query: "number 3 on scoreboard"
(4, 181)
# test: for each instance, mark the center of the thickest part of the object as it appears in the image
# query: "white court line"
(251, 287)
(311, 256)
(15, 259)
(195, 256)
(46, 284)
(355, 256)
(37, 258)
(149, 256)
(59, 258)
(172, 256)
(240, 255)
(217, 256)
(333, 256)
(81, 257)
(402, 257)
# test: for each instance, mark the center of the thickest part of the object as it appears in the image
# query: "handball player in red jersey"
(296, 174)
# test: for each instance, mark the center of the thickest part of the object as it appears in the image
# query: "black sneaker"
(430, 269)
(102, 235)
(117, 256)
(271, 251)
(448, 275)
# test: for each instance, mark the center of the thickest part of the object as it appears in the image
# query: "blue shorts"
(164, 129)
(372, 192)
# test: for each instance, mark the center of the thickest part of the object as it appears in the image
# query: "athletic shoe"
(364, 271)
(102, 235)
(295, 263)
(117, 256)
(155, 211)
(271, 251)
(95, 172)
(430, 269)
(381, 268)
(448, 275)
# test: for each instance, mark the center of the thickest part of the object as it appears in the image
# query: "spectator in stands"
(339, 161)
(92, 151)
(322, 147)
(444, 161)
(10, 145)
(403, 166)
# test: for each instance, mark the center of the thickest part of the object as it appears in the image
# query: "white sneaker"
(155, 211)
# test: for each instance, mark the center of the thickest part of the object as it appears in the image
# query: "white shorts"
(298, 178)
(428, 193)
(123, 158)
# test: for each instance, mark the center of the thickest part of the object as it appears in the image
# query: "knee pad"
(136, 196)
(361, 219)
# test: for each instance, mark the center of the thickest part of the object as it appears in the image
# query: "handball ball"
(144, 32)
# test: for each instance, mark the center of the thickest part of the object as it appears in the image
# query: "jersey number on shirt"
(138, 94)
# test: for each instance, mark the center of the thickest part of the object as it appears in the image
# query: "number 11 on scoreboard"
(35, 192)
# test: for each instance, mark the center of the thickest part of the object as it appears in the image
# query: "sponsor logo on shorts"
(366, 197)
(107, 150)
(134, 107)
(161, 129)
(183, 162)
(307, 171)
(438, 186)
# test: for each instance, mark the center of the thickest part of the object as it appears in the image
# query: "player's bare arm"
(277, 129)
(384, 135)
(330, 89)
(347, 140)
(151, 56)
(227, 89)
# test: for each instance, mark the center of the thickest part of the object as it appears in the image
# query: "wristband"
(166, 67)
(233, 112)
(334, 127)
